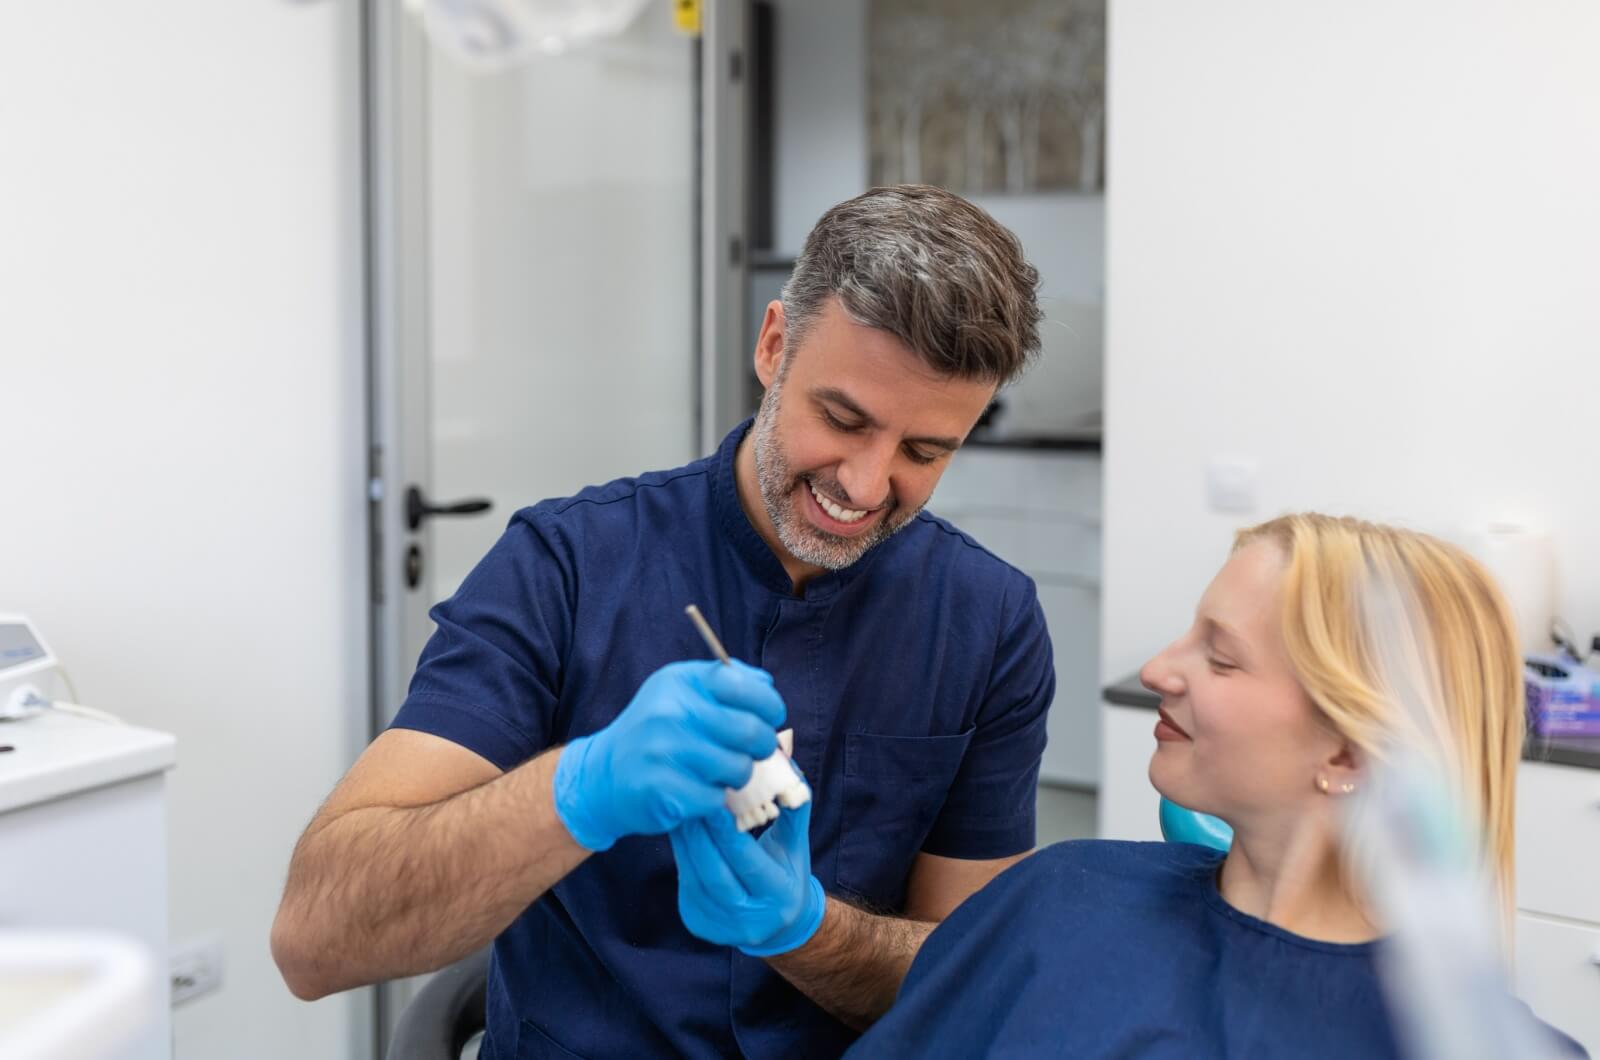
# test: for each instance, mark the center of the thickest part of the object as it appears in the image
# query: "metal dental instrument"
(774, 781)
(711, 640)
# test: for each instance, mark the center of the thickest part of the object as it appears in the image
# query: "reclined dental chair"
(449, 1011)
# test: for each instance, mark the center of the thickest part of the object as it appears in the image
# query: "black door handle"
(418, 508)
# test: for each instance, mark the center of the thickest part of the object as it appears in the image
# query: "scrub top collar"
(748, 545)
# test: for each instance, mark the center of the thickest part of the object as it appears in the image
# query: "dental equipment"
(32, 678)
(775, 781)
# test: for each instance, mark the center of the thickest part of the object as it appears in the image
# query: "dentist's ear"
(769, 344)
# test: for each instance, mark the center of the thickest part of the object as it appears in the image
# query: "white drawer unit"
(1040, 512)
(1558, 897)
(1558, 975)
(1558, 840)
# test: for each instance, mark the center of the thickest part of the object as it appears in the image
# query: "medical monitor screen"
(17, 645)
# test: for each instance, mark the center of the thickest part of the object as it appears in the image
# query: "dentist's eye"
(839, 425)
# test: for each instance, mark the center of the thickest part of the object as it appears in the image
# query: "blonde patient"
(1273, 712)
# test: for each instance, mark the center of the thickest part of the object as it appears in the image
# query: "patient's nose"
(1161, 676)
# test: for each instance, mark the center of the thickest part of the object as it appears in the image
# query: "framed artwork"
(992, 97)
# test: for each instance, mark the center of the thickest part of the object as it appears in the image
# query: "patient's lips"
(1167, 729)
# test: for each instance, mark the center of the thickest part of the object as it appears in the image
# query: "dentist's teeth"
(844, 515)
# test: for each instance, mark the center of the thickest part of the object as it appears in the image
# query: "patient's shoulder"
(1116, 858)
(1097, 870)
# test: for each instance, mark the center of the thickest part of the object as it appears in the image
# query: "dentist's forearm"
(382, 891)
(854, 965)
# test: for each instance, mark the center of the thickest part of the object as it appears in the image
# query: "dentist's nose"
(866, 475)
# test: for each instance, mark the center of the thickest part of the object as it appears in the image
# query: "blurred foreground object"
(72, 996)
(1421, 858)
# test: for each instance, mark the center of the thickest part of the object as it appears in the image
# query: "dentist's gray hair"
(930, 268)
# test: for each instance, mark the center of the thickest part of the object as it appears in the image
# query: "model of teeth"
(844, 515)
(774, 782)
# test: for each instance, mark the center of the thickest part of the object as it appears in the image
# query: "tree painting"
(997, 96)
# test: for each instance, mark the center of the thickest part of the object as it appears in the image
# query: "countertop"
(56, 754)
(1583, 752)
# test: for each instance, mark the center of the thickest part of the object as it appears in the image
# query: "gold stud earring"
(1322, 785)
(1345, 789)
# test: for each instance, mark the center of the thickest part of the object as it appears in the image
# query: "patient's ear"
(1341, 774)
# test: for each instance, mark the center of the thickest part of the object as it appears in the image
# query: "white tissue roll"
(1522, 561)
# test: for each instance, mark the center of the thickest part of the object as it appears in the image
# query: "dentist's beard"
(803, 540)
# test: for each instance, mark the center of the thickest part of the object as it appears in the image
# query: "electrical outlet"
(196, 968)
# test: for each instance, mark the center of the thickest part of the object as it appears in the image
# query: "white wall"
(1360, 244)
(181, 340)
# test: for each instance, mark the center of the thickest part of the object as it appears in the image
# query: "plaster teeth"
(774, 782)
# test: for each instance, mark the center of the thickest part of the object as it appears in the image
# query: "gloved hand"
(758, 895)
(692, 729)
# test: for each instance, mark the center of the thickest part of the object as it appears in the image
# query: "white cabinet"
(1558, 897)
(1040, 512)
(83, 828)
(1558, 840)
(1558, 975)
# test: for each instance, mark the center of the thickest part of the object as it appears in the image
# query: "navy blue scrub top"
(916, 680)
(1097, 948)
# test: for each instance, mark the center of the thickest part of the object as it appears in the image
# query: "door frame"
(395, 173)
(724, 161)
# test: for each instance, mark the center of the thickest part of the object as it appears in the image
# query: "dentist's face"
(1237, 737)
(853, 434)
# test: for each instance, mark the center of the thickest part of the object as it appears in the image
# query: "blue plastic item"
(1181, 825)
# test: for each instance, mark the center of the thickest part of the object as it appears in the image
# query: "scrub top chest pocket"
(894, 787)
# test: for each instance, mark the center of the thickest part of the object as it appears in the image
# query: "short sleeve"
(489, 678)
(990, 809)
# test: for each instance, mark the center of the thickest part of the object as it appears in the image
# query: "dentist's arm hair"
(423, 853)
(854, 965)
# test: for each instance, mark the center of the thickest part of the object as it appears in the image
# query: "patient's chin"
(1172, 783)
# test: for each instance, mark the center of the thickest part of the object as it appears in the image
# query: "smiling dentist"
(553, 736)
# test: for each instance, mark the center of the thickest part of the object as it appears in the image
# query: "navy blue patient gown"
(1106, 949)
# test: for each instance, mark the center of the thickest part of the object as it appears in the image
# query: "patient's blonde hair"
(1341, 580)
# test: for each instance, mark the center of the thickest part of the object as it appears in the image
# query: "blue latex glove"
(692, 730)
(758, 895)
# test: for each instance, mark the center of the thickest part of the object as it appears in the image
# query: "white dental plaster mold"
(774, 782)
